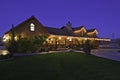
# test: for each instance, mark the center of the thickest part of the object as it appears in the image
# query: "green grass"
(60, 66)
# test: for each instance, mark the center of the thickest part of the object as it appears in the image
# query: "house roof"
(91, 30)
(27, 20)
(51, 30)
(62, 27)
(78, 28)
(56, 31)
(24, 22)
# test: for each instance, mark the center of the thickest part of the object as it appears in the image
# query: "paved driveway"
(107, 53)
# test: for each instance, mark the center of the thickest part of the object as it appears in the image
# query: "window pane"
(32, 27)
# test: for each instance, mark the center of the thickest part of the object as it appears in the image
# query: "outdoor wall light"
(59, 38)
(5, 52)
(70, 39)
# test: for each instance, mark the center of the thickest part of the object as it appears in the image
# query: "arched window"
(32, 27)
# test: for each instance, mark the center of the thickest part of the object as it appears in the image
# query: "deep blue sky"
(101, 14)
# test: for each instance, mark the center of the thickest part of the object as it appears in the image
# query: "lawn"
(60, 66)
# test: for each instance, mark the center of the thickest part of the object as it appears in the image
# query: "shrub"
(7, 56)
(87, 47)
(26, 45)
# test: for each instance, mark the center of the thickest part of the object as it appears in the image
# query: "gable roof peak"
(32, 16)
(79, 27)
(25, 21)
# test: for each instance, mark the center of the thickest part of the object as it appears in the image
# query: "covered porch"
(58, 41)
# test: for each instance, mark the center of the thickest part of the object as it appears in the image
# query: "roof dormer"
(92, 31)
(80, 29)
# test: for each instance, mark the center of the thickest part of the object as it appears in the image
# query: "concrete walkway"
(107, 53)
(69, 50)
(29, 54)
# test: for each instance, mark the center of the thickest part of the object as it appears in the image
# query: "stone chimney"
(69, 26)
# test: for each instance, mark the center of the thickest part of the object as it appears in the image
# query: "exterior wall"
(93, 35)
(23, 29)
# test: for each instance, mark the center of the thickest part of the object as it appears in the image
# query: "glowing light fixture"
(5, 52)
(59, 38)
(70, 39)
(47, 39)
(51, 39)
(6, 38)
(16, 38)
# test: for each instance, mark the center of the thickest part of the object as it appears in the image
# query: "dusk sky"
(101, 14)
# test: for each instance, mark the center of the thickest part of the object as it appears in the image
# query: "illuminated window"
(32, 27)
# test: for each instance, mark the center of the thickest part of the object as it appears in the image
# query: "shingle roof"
(56, 31)
(91, 30)
(78, 28)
